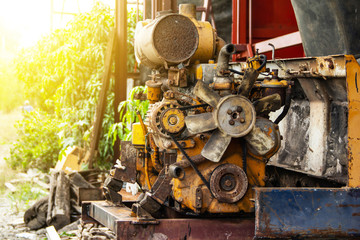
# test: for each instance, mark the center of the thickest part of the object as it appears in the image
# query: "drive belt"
(207, 184)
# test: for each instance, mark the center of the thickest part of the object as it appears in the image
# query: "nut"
(239, 109)
(242, 120)
(229, 111)
(231, 122)
(173, 120)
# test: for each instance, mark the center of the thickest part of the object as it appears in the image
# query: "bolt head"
(242, 120)
(172, 120)
(239, 109)
(231, 122)
(228, 183)
(229, 111)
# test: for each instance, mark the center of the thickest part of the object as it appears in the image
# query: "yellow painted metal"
(199, 72)
(275, 82)
(254, 62)
(138, 137)
(353, 88)
(173, 120)
(154, 91)
(207, 36)
(184, 190)
(71, 161)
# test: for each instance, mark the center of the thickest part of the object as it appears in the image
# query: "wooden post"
(101, 106)
(120, 63)
(58, 213)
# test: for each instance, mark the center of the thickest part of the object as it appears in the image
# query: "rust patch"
(356, 214)
(349, 205)
(330, 61)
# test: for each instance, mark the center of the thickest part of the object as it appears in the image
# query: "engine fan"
(234, 116)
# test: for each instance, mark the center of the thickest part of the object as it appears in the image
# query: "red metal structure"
(256, 23)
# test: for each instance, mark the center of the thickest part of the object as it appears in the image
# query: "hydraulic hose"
(286, 107)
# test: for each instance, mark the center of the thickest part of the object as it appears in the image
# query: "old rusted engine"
(204, 144)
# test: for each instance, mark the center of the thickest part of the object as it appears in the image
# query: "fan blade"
(267, 104)
(249, 79)
(206, 94)
(215, 148)
(259, 142)
(199, 123)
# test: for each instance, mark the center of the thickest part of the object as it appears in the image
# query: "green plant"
(127, 109)
(65, 234)
(25, 195)
(62, 74)
(38, 142)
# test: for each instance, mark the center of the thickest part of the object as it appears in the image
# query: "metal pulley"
(228, 183)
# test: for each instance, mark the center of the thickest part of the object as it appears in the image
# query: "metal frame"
(125, 226)
(246, 33)
(307, 212)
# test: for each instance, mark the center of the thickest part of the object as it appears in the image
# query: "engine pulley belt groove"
(207, 184)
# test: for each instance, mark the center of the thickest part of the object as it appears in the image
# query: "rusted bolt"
(173, 120)
(242, 120)
(239, 109)
(183, 144)
(231, 122)
(227, 183)
(229, 111)
(202, 137)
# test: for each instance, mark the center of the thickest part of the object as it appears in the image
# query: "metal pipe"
(176, 171)
(272, 51)
(224, 58)
(153, 9)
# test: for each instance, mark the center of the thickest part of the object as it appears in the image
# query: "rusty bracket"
(177, 77)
